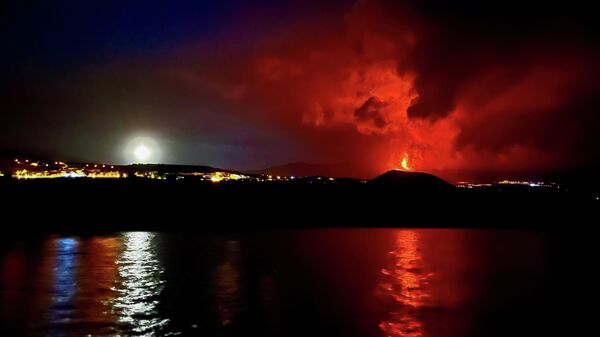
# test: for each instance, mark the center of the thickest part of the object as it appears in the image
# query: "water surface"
(328, 282)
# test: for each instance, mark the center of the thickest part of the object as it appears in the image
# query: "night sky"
(456, 87)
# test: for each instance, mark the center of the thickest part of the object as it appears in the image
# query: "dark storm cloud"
(370, 112)
(460, 40)
(514, 74)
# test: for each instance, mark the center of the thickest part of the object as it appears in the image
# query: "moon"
(142, 153)
(142, 150)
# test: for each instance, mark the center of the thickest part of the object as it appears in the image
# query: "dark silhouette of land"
(396, 198)
(301, 169)
(416, 182)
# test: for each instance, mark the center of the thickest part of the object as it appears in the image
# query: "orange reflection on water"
(98, 277)
(406, 287)
(82, 286)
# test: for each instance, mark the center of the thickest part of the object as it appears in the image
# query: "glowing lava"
(404, 163)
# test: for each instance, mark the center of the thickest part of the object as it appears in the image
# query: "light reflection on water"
(96, 279)
(405, 282)
(140, 287)
(428, 283)
(65, 284)
(101, 286)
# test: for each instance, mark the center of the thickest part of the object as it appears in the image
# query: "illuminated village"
(35, 169)
(26, 169)
(506, 182)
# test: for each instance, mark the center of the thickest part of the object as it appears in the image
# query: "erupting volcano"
(404, 163)
(455, 89)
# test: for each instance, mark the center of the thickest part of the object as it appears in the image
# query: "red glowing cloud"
(388, 83)
(365, 87)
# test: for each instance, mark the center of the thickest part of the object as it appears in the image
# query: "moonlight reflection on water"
(141, 284)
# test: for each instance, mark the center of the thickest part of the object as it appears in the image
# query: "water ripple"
(140, 287)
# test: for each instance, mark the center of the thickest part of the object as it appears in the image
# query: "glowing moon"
(143, 150)
(142, 153)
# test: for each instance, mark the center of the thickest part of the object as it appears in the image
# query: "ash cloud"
(460, 85)
(370, 111)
